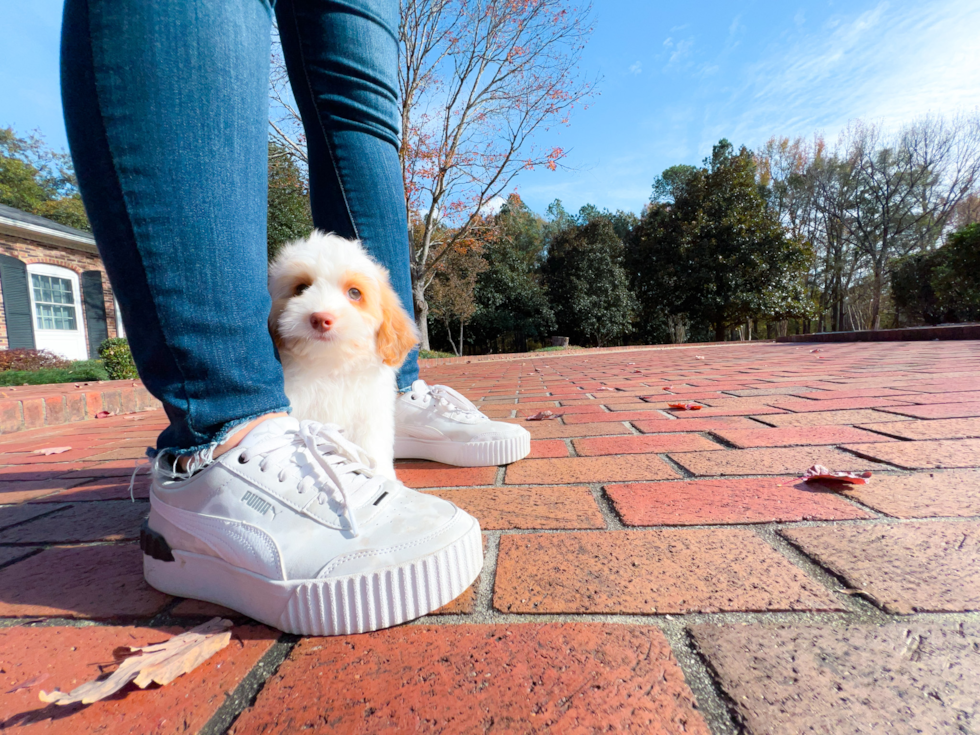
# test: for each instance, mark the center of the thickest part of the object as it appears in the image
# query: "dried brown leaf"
(51, 450)
(543, 416)
(104, 414)
(160, 663)
(685, 406)
(819, 472)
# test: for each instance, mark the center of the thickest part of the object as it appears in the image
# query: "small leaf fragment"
(685, 406)
(543, 416)
(29, 683)
(104, 414)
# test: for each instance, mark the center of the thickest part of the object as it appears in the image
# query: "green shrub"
(432, 354)
(118, 359)
(83, 371)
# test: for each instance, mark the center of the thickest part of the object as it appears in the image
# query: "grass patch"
(558, 349)
(83, 371)
(433, 354)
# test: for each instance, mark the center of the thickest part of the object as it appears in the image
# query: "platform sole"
(354, 603)
(471, 454)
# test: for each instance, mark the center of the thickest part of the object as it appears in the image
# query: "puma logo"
(256, 503)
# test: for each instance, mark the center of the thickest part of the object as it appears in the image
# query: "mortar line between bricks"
(833, 618)
(685, 473)
(251, 685)
(609, 514)
(570, 447)
(707, 690)
(50, 513)
(484, 595)
(820, 574)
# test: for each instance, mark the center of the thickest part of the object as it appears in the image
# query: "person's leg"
(166, 108)
(343, 63)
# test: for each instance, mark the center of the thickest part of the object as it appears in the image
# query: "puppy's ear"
(397, 333)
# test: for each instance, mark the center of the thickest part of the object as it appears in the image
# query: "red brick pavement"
(648, 570)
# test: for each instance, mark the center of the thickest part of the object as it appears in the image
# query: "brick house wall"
(77, 259)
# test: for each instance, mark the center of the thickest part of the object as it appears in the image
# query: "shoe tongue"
(271, 427)
(420, 386)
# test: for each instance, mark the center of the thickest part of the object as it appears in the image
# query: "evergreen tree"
(587, 283)
(718, 253)
(289, 201)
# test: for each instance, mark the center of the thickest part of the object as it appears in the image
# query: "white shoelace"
(448, 401)
(347, 467)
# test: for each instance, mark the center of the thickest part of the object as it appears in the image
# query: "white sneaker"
(435, 422)
(294, 529)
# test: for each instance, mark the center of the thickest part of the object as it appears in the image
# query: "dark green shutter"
(16, 303)
(95, 321)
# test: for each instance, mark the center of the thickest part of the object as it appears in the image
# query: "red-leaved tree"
(478, 80)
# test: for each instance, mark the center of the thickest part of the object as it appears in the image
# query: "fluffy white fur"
(341, 333)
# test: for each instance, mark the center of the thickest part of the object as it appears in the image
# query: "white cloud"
(889, 63)
(636, 68)
(493, 206)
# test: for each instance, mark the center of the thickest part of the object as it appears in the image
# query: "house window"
(54, 303)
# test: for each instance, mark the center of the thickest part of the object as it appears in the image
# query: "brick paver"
(63, 658)
(742, 500)
(468, 679)
(528, 507)
(623, 508)
(905, 568)
(770, 461)
(847, 417)
(896, 679)
(644, 572)
(799, 436)
(959, 409)
(649, 444)
(923, 494)
(626, 468)
(921, 430)
(101, 582)
(925, 455)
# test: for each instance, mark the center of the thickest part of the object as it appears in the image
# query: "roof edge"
(47, 236)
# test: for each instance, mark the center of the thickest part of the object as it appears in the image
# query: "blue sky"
(675, 78)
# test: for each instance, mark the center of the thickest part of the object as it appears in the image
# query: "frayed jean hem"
(204, 453)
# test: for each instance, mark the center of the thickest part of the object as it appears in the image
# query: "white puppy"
(341, 333)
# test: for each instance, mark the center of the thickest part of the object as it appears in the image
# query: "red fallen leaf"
(819, 472)
(543, 416)
(51, 450)
(685, 406)
(669, 387)
(816, 350)
(104, 414)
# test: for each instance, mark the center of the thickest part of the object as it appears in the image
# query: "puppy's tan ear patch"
(397, 333)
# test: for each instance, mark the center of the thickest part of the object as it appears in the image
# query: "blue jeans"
(166, 108)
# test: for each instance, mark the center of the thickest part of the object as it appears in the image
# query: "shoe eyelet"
(242, 459)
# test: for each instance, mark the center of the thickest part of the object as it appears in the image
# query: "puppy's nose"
(321, 321)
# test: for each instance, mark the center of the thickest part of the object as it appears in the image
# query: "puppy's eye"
(300, 288)
(353, 294)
